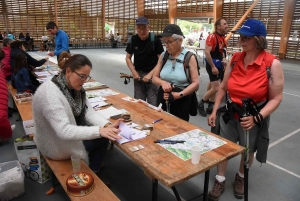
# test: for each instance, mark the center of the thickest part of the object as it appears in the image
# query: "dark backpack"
(152, 36)
(186, 61)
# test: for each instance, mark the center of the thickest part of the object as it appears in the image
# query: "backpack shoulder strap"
(152, 37)
(269, 58)
(165, 58)
(186, 65)
(130, 42)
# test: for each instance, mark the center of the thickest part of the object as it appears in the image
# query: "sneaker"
(217, 190)
(239, 187)
(201, 109)
(210, 107)
(13, 127)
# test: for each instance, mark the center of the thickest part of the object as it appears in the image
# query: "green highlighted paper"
(195, 137)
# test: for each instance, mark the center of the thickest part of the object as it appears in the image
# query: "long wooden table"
(63, 169)
(160, 164)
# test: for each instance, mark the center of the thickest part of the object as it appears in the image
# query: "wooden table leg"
(206, 183)
(154, 189)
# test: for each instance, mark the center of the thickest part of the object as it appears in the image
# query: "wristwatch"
(181, 94)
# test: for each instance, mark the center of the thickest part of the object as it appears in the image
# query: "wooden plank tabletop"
(63, 169)
(156, 160)
(25, 109)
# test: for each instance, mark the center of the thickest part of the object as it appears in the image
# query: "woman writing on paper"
(172, 76)
(65, 122)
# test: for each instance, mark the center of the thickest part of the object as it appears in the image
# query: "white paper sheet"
(108, 112)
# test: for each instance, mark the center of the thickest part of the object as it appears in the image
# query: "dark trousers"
(96, 149)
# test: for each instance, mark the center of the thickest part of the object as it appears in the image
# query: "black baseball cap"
(141, 20)
(171, 29)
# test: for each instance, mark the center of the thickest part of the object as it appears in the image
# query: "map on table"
(194, 137)
(100, 93)
(93, 85)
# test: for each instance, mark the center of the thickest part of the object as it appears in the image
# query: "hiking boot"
(239, 187)
(217, 190)
(201, 108)
(210, 107)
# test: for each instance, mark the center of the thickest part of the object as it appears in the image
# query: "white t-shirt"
(44, 38)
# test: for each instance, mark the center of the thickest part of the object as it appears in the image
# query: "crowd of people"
(63, 115)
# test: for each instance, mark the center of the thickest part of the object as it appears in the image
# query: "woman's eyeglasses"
(170, 42)
(245, 38)
(83, 78)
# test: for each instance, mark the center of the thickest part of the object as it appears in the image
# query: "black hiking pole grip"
(246, 102)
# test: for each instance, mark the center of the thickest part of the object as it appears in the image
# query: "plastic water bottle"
(48, 65)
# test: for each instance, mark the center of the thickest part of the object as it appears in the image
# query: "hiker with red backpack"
(177, 80)
(254, 77)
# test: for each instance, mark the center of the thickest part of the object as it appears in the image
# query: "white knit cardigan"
(57, 136)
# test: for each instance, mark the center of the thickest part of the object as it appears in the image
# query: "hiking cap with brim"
(252, 27)
(171, 29)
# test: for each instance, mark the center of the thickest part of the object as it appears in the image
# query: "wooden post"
(140, 5)
(103, 19)
(289, 9)
(55, 12)
(242, 19)
(172, 11)
(218, 9)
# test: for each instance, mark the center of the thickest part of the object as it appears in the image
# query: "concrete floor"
(278, 180)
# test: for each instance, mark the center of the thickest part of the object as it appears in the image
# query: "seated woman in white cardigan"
(65, 122)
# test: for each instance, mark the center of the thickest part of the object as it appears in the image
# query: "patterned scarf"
(75, 98)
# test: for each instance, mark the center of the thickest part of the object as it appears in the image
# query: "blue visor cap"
(252, 27)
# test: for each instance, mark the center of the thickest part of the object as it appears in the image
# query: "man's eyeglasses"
(170, 42)
(83, 78)
(245, 38)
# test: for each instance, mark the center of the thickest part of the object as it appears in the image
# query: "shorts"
(234, 132)
(213, 77)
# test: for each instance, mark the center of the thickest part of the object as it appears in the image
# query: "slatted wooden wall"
(122, 13)
(157, 13)
(195, 6)
(294, 44)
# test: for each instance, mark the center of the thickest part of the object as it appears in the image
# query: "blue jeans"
(96, 149)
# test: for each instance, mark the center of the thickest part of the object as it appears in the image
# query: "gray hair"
(176, 36)
(261, 42)
(7, 41)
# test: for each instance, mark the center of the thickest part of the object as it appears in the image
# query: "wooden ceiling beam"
(289, 9)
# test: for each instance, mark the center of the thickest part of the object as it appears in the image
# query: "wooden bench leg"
(176, 193)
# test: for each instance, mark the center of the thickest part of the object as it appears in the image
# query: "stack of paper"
(130, 134)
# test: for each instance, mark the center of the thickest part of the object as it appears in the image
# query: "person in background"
(247, 77)
(45, 40)
(61, 39)
(5, 127)
(215, 49)
(146, 54)
(21, 75)
(29, 41)
(175, 88)
(11, 35)
(118, 38)
(18, 47)
(63, 116)
(6, 69)
(1, 36)
(21, 36)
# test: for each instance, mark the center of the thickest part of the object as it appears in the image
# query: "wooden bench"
(63, 169)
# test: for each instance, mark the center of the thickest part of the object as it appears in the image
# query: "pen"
(169, 141)
(96, 105)
(157, 120)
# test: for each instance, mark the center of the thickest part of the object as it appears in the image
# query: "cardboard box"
(11, 180)
(29, 127)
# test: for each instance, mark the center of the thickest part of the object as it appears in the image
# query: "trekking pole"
(168, 106)
(246, 102)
